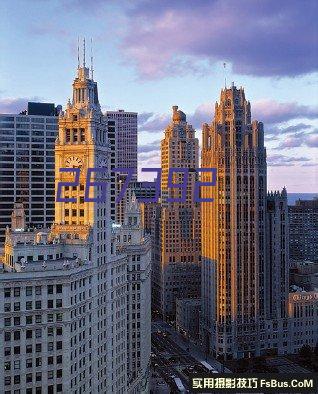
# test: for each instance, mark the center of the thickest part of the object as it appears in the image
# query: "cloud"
(155, 123)
(284, 161)
(49, 28)
(299, 139)
(268, 38)
(15, 105)
(144, 116)
(273, 112)
(152, 146)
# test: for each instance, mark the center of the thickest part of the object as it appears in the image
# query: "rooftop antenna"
(78, 54)
(224, 67)
(84, 50)
(92, 68)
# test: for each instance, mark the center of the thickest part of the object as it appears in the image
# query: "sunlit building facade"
(68, 294)
(176, 233)
(233, 229)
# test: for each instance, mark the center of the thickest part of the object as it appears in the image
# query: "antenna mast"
(224, 67)
(92, 68)
(78, 54)
(84, 50)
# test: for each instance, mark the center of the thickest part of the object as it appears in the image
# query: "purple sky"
(150, 55)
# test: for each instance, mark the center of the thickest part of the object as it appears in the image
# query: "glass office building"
(27, 168)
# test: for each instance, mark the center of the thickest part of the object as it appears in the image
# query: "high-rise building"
(123, 138)
(176, 234)
(233, 229)
(27, 164)
(68, 293)
(303, 238)
(131, 240)
(277, 258)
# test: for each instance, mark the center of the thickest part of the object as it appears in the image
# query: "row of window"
(30, 289)
(29, 320)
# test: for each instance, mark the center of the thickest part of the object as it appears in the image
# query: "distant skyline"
(150, 55)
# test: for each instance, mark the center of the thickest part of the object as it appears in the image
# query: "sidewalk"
(194, 349)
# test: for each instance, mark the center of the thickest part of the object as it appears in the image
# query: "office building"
(131, 240)
(303, 219)
(176, 235)
(188, 317)
(303, 320)
(233, 229)
(277, 258)
(27, 164)
(123, 138)
(68, 292)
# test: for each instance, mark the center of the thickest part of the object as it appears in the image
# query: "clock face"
(74, 162)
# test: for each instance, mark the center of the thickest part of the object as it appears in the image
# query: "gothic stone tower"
(233, 229)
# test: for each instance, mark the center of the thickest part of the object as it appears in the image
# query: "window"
(38, 304)
(50, 374)
(59, 317)
(38, 362)
(50, 346)
(59, 331)
(7, 307)
(28, 348)
(16, 306)
(17, 364)
(50, 318)
(38, 376)
(59, 289)
(59, 373)
(17, 379)
(29, 319)
(7, 321)
(28, 291)
(7, 381)
(16, 335)
(50, 289)
(59, 303)
(50, 360)
(38, 318)
(50, 332)
(38, 290)
(28, 363)
(38, 347)
(7, 366)
(50, 304)
(7, 292)
(38, 333)
(28, 305)
(29, 377)
(29, 334)
(59, 359)
(16, 350)
(16, 291)
(7, 351)
(17, 321)
(59, 345)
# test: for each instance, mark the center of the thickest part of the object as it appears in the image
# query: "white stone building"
(68, 296)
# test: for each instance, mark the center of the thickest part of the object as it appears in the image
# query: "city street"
(175, 357)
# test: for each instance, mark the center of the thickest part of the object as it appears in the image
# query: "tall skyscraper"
(277, 258)
(68, 294)
(176, 236)
(233, 228)
(27, 164)
(303, 218)
(123, 138)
